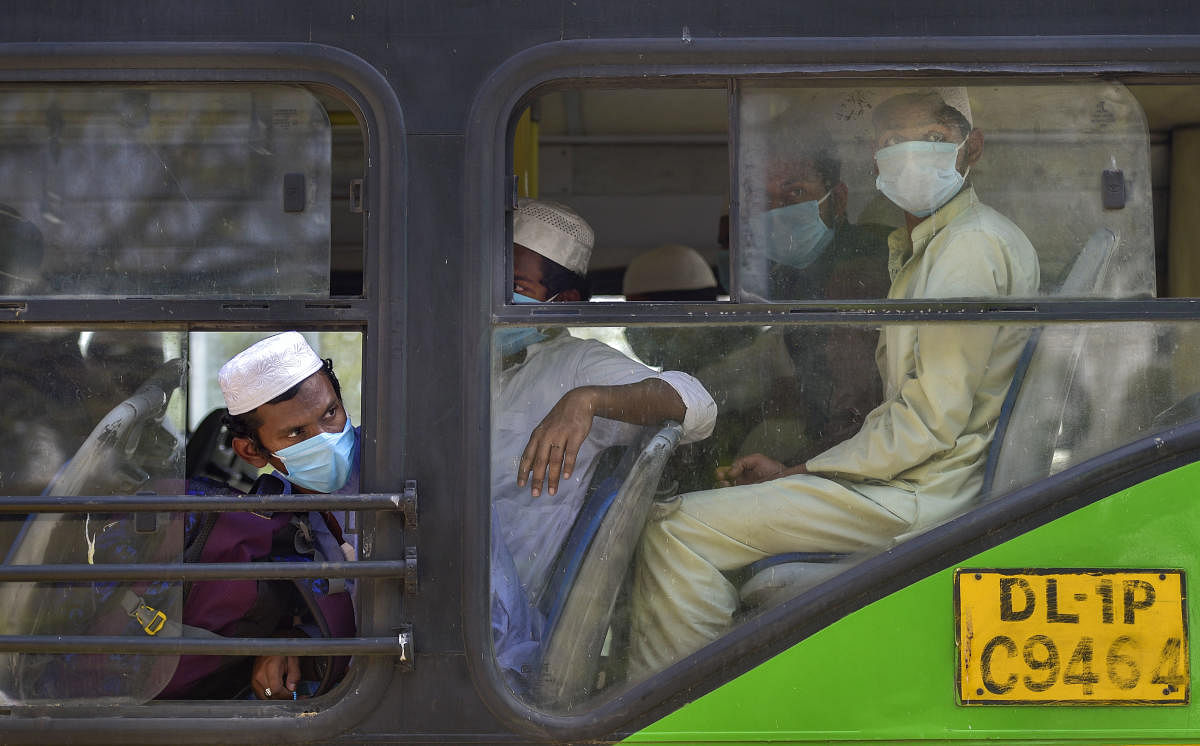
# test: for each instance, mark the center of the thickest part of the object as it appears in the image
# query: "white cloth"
(917, 459)
(534, 528)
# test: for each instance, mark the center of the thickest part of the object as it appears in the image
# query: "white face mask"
(795, 235)
(919, 176)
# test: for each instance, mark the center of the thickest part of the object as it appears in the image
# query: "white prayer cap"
(266, 369)
(956, 97)
(670, 267)
(555, 231)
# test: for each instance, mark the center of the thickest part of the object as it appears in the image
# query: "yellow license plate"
(1072, 636)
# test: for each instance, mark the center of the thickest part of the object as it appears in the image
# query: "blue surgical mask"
(795, 235)
(321, 463)
(919, 176)
(513, 339)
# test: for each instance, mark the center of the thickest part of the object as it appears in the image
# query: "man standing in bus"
(918, 457)
(560, 400)
(285, 411)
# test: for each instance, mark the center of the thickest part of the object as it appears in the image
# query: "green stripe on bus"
(886, 672)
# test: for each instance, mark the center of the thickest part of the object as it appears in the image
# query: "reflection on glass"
(89, 414)
(62, 384)
(157, 190)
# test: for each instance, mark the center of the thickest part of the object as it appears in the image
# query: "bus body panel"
(886, 672)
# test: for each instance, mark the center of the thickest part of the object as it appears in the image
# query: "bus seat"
(773, 579)
(211, 464)
(1022, 446)
(612, 464)
(1022, 453)
(129, 446)
(592, 566)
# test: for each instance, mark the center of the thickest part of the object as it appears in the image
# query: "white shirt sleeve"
(700, 413)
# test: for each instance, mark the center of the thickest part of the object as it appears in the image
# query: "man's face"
(915, 121)
(313, 410)
(527, 274)
(789, 183)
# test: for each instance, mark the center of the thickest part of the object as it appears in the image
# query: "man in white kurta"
(919, 456)
(534, 527)
(557, 402)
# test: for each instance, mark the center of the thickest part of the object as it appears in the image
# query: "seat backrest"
(1022, 448)
(613, 464)
(592, 567)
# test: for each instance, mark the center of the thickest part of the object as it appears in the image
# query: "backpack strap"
(152, 621)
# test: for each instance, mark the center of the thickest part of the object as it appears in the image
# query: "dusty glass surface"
(891, 456)
(812, 222)
(164, 191)
(89, 413)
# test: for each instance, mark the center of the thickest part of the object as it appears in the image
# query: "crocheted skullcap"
(266, 369)
(555, 231)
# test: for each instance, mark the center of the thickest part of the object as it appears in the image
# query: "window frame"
(636, 63)
(375, 314)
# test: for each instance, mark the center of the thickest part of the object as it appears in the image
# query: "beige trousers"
(681, 599)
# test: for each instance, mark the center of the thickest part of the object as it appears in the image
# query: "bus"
(180, 180)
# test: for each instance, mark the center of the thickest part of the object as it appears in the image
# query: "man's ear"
(570, 295)
(974, 147)
(245, 448)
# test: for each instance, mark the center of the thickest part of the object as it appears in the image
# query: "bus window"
(123, 412)
(582, 606)
(645, 168)
(172, 191)
(626, 543)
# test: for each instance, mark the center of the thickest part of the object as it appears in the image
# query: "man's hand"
(753, 469)
(554, 443)
(276, 673)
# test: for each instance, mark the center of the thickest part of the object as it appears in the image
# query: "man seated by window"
(918, 457)
(284, 411)
(557, 402)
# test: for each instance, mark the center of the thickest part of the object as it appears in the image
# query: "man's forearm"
(646, 402)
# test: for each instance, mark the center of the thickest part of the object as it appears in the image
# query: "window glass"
(818, 194)
(62, 383)
(637, 561)
(89, 413)
(119, 412)
(633, 542)
(164, 191)
(645, 168)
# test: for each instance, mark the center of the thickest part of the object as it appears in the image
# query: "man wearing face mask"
(813, 251)
(557, 402)
(284, 411)
(919, 456)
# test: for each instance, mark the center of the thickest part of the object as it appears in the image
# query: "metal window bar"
(403, 502)
(405, 569)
